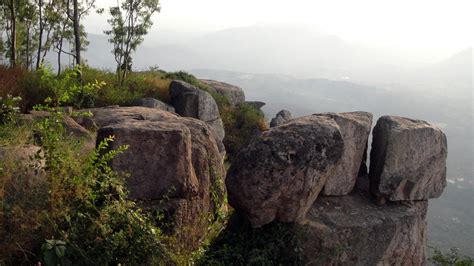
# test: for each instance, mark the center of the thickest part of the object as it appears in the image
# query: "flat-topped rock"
(233, 93)
(281, 172)
(407, 160)
(352, 230)
(355, 129)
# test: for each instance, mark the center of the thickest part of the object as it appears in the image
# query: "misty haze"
(399, 59)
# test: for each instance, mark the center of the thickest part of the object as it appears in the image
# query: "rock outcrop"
(281, 172)
(408, 159)
(153, 103)
(355, 129)
(352, 230)
(173, 163)
(279, 175)
(280, 118)
(190, 101)
(234, 94)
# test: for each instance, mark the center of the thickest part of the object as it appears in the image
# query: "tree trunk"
(77, 33)
(59, 54)
(27, 53)
(13, 34)
(40, 38)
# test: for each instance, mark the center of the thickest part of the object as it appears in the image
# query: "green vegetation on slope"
(67, 205)
(72, 207)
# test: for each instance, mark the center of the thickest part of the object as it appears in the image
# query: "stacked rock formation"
(294, 171)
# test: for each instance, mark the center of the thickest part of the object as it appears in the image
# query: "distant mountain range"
(294, 50)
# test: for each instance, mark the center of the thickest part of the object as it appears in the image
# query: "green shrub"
(240, 244)
(75, 211)
(9, 107)
(241, 123)
(451, 258)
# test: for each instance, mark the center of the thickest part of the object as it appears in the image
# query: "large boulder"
(281, 172)
(407, 160)
(352, 230)
(233, 93)
(280, 118)
(355, 129)
(153, 103)
(173, 164)
(190, 101)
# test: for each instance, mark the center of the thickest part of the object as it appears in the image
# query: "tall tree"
(11, 6)
(41, 21)
(2, 30)
(130, 21)
(76, 9)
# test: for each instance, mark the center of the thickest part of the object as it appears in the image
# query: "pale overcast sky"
(439, 25)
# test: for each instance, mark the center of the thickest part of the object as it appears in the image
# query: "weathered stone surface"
(153, 103)
(112, 115)
(169, 157)
(189, 101)
(355, 129)
(352, 230)
(407, 160)
(233, 93)
(22, 160)
(280, 118)
(281, 172)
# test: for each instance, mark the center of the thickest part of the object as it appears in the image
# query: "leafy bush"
(98, 88)
(184, 76)
(10, 79)
(239, 244)
(8, 108)
(451, 258)
(75, 211)
(241, 123)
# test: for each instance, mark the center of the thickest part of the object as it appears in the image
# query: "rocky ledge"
(309, 171)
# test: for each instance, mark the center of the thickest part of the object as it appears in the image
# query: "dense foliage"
(451, 258)
(240, 244)
(66, 204)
